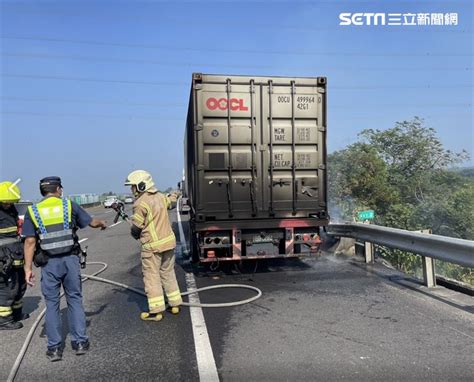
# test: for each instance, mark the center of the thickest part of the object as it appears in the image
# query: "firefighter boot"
(18, 315)
(174, 310)
(147, 316)
(8, 323)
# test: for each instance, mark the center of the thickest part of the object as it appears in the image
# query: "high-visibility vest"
(52, 218)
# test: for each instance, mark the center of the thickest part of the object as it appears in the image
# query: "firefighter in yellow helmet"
(12, 275)
(151, 225)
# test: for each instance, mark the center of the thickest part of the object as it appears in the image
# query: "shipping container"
(255, 166)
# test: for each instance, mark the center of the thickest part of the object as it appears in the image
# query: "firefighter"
(51, 242)
(12, 275)
(151, 225)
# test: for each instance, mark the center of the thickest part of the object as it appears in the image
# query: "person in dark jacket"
(12, 275)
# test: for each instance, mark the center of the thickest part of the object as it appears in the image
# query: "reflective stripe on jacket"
(150, 214)
(8, 223)
(52, 218)
(11, 229)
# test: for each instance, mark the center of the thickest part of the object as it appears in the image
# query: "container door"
(227, 139)
(293, 142)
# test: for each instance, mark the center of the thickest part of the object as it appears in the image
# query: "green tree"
(414, 154)
(358, 179)
(403, 173)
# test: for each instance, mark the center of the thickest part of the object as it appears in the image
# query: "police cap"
(51, 181)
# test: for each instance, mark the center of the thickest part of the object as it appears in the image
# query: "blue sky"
(91, 90)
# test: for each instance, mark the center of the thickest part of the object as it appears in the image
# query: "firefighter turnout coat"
(150, 214)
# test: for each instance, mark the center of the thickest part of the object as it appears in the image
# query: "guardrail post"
(369, 252)
(429, 276)
(368, 249)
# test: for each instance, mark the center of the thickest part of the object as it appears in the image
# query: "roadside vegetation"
(412, 182)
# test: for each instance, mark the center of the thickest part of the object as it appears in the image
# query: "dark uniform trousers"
(12, 289)
(66, 271)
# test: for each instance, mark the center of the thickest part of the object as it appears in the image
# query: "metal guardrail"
(452, 250)
(89, 205)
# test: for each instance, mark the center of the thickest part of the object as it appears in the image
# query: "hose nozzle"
(120, 209)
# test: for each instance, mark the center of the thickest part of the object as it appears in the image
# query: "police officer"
(12, 275)
(150, 224)
(50, 229)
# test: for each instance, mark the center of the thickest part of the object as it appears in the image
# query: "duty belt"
(8, 240)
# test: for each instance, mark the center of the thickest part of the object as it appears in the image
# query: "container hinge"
(322, 167)
(322, 128)
(280, 183)
(321, 90)
(263, 148)
(198, 127)
(200, 167)
(197, 86)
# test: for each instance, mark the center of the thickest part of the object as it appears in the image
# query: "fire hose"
(121, 213)
(119, 207)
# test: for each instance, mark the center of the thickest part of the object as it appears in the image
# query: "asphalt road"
(322, 318)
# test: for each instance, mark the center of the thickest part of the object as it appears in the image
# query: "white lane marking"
(83, 240)
(204, 355)
(108, 212)
(113, 225)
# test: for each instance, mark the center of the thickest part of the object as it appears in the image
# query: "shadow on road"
(65, 322)
(246, 267)
(31, 304)
(139, 301)
(136, 270)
